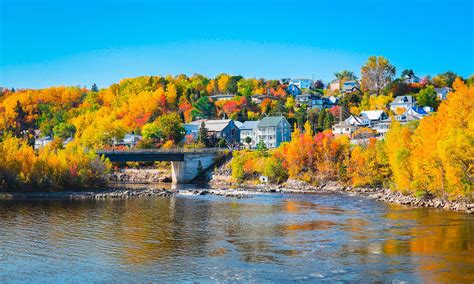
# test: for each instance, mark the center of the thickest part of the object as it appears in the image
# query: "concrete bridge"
(184, 162)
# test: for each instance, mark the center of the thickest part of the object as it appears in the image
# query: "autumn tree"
(345, 75)
(377, 73)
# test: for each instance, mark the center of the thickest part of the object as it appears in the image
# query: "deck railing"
(162, 151)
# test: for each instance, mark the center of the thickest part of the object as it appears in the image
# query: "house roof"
(214, 125)
(238, 123)
(372, 114)
(250, 124)
(356, 120)
(270, 121)
(403, 100)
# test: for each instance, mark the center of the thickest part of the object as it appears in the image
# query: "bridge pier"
(187, 170)
(185, 163)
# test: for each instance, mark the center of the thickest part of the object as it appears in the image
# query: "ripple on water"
(266, 238)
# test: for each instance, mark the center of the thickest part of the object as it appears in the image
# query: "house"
(273, 130)
(405, 102)
(259, 98)
(220, 97)
(382, 126)
(314, 101)
(42, 142)
(191, 130)
(249, 129)
(442, 93)
(374, 116)
(410, 79)
(129, 140)
(293, 90)
(334, 85)
(350, 125)
(333, 99)
(220, 129)
(349, 86)
(302, 83)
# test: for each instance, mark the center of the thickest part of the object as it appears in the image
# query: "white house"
(273, 130)
(302, 83)
(129, 140)
(374, 116)
(350, 125)
(249, 129)
(42, 142)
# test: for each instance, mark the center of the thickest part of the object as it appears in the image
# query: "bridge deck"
(152, 155)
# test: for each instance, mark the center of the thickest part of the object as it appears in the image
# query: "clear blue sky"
(72, 42)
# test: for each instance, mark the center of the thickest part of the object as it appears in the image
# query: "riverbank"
(110, 193)
(132, 190)
(380, 194)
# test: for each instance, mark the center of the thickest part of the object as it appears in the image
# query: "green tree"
(322, 119)
(377, 74)
(203, 108)
(164, 128)
(245, 87)
(203, 136)
(345, 75)
(328, 120)
(248, 140)
(427, 97)
(64, 130)
(94, 88)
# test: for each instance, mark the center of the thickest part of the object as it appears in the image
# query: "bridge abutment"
(187, 170)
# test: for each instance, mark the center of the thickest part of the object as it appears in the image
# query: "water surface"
(208, 238)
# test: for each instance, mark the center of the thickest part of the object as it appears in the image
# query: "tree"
(427, 97)
(64, 130)
(261, 146)
(165, 128)
(377, 73)
(203, 108)
(94, 88)
(407, 73)
(203, 136)
(223, 83)
(445, 79)
(321, 119)
(21, 122)
(345, 75)
(245, 87)
(248, 140)
(318, 84)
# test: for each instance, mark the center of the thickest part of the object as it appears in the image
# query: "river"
(272, 237)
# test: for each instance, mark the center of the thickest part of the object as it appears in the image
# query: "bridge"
(184, 161)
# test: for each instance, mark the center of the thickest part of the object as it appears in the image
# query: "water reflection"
(268, 237)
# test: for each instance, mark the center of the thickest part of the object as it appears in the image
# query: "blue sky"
(72, 42)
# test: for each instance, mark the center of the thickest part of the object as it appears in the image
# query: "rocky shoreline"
(248, 191)
(115, 193)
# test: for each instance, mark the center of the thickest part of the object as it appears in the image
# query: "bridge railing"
(162, 151)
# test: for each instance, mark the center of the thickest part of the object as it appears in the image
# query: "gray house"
(220, 129)
(405, 102)
(273, 130)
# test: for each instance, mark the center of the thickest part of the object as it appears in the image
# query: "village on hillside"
(235, 112)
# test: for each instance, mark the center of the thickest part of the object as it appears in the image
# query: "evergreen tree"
(322, 119)
(94, 88)
(328, 121)
(203, 135)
